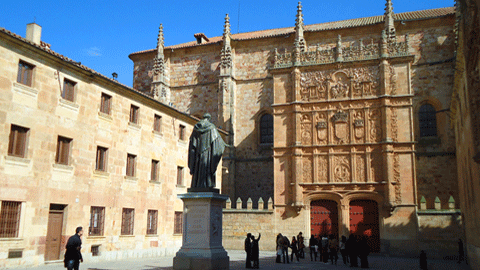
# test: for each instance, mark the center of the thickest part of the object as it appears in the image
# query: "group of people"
(283, 244)
(325, 248)
(251, 248)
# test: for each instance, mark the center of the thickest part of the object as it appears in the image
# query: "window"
(157, 123)
(134, 114)
(101, 162)
(128, 215)
(95, 249)
(178, 223)
(152, 219)
(25, 73)
(266, 129)
(181, 132)
(179, 176)
(18, 141)
(10, 219)
(63, 150)
(68, 92)
(97, 219)
(427, 121)
(154, 173)
(131, 159)
(105, 103)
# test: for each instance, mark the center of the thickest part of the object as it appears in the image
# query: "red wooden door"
(323, 217)
(364, 221)
(54, 236)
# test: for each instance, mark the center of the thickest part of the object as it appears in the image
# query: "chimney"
(34, 32)
(201, 38)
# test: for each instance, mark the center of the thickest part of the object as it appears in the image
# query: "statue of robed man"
(204, 153)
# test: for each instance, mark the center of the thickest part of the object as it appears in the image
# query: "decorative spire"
(226, 55)
(226, 28)
(299, 39)
(389, 21)
(160, 39)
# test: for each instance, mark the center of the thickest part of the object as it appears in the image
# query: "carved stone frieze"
(226, 57)
(394, 124)
(360, 168)
(322, 169)
(340, 86)
(341, 170)
(313, 85)
(393, 80)
(359, 126)
(365, 81)
(375, 118)
(396, 179)
(307, 169)
(376, 167)
(158, 65)
(306, 129)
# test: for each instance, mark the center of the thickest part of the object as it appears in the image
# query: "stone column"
(202, 233)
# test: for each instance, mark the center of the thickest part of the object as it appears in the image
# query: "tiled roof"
(46, 48)
(406, 16)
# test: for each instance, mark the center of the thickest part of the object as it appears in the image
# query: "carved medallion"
(342, 169)
(339, 120)
(322, 128)
(340, 86)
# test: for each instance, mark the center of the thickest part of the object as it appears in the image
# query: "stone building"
(80, 149)
(344, 124)
(465, 112)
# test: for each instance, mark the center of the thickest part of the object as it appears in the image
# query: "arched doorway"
(323, 217)
(364, 222)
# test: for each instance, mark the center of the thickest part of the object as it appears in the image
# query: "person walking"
(313, 245)
(333, 249)
(301, 245)
(423, 260)
(248, 250)
(343, 251)
(255, 251)
(294, 246)
(324, 251)
(73, 254)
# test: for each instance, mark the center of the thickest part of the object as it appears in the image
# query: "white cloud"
(94, 51)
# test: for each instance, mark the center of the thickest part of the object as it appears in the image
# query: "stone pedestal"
(202, 233)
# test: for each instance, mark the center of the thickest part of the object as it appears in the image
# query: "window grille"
(18, 141)
(134, 114)
(10, 219)
(95, 249)
(25, 73)
(63, 150)
(266, 129)
(157, 123)
(68, 92)
(128, 215)
(101, 160)
(152, 220)
(97, 219)
(427, 121)
(131, 159)
(178, 223)
(105, 103)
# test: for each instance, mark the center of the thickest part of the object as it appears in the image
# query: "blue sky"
(101, 34)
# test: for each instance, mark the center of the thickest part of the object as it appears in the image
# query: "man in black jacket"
(73, 256)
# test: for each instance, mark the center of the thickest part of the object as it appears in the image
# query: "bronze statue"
(204, 153)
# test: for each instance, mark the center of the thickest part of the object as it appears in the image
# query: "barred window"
(97, 220)
(427, 120)
(105, 103)
(134, 114)
(181, 132)
(63, 150)
(25, 73)
(131, 160)
(101, 161)
(68, 92)
(18, 141)
(154, 172)
(178, 223)
(152, 219)
(10, 219)
(266, 129)
(128, 215)
(157, 123)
